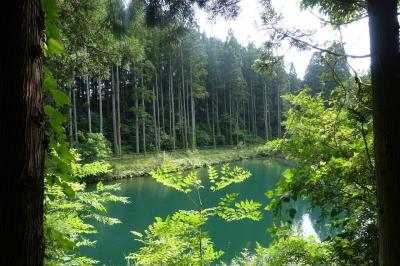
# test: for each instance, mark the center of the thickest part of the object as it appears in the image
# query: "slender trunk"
(254, 113)
(75, 115)
(237, 123)
(136, 94)
(114, 116)
(183, 103)
(213, 121)
(70, 118)
(22, 133)
(180, 119)
(217, 116)
(244, 116)
(249, 115)
(173, 115)
(118, 111)
(384, 46)
(158, 113)
(100, 106)
(208, 114)
(143, 118)
(230, 120)
(88, 105)
(155, 119)
(266, 110)
(279, 112)
(251, 123)
(162, 104)
(193, 110)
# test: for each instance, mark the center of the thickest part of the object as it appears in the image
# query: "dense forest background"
(171, 87)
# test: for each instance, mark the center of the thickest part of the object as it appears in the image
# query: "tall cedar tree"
(22, 134)
(385, 60)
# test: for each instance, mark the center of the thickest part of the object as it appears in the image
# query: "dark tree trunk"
(22, 134)
(384, 45)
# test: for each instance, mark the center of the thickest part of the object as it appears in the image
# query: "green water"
(150, 199)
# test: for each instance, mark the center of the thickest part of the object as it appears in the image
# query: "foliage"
(175, 241)
(295, 250)
(94, 147)
(226, 177)
(243, 209)
(66, 223)
(179, 239)
(289, 250)
(68, 207)
(331, 143)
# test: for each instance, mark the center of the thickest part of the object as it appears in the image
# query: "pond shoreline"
(132, 166)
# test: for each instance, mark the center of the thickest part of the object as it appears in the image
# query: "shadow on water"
(150, 199)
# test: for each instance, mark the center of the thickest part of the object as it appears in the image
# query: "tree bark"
(117, 96)
(22, 134)
(100, 106)
(155, 119)
(173, 113)
(384, 46)
(136, 93)
(70, 118)
(230, 119)
(192, 104)
(114, 116)
(143, 116)
(88, 105)
(278, 98)
(75, 114)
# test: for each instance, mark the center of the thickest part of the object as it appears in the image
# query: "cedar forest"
(111, 89)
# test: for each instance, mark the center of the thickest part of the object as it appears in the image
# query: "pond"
(150, 199)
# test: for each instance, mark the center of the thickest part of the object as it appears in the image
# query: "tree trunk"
(70, 118)
(75, 115)
(183, 104)
(193, 110)
(155, 119)
(213, 115)
(162, 104)
(143, 117)
(217, 116)
(22, 134)
(158, 112)
(100, 106)
(230, 120)
(173, 114)
(180, 119)
(266, 110)
(136, 93)
(384, 45)
(118, 112)
(237, 123)
(114, 116)
(279, 112)
(88, 105)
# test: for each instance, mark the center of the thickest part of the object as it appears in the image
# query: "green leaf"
(54, 47)
(60, 97)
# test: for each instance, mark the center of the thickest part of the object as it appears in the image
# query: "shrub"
(94, 147)
(203, 138)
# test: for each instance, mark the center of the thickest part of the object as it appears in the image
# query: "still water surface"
(150, 199)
